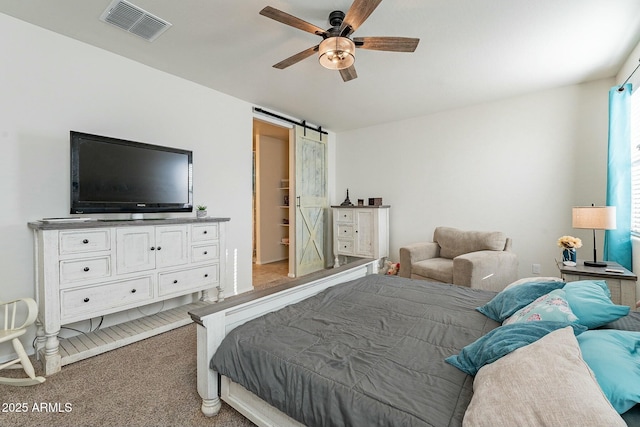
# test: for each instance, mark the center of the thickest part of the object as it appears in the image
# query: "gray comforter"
(367, 353)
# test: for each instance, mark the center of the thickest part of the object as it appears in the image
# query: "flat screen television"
(110, 175)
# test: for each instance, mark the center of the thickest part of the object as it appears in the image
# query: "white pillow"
(546, 383)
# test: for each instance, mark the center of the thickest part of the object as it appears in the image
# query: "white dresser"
(360, 232)
(94, 268)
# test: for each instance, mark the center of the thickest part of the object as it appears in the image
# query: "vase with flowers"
(569, 244)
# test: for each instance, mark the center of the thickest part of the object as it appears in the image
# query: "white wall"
(517, 165)
(51, 84)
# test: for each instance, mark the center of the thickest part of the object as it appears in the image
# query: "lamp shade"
(594, 217)
(336, 53)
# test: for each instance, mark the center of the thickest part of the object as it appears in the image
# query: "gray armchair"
(476, 259)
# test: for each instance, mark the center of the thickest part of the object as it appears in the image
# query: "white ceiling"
(470, 51)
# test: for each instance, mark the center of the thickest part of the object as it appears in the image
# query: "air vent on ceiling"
(134, 20)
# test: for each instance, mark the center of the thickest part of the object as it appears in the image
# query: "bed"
(356, 349)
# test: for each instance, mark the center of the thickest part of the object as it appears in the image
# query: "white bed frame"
(216, 321)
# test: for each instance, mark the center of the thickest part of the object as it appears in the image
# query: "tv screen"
(110, 175)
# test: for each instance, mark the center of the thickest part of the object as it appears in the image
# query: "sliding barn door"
(311, 200)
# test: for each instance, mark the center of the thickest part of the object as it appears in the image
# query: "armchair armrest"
(488, 270)
(416, 252)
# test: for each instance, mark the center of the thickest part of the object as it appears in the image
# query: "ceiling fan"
(336, 51)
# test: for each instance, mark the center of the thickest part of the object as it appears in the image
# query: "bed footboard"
(215, 321)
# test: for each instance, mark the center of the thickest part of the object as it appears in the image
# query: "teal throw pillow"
(614, 358)
(507, 302)
(552, 307)
(592, 304)
(601, 283)
(502, 341)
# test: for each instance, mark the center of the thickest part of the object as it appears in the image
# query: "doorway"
(290, 202)
(271, 200)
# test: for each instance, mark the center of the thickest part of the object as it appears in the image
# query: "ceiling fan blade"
(291, 20)
(296, 58)
(391, 44)
(357, 14)
(348, 73)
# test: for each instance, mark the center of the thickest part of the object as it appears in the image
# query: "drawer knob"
(204, 232)
(175, 281)
(133, 291)
(86, 269)
(206, 275)
(153, 248)
(205, 252)
(86, 300)
(159, 247)
(85, 241)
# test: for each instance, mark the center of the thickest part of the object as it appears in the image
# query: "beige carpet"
(149, 383)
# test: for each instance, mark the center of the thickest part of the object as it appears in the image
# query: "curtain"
(617, 243)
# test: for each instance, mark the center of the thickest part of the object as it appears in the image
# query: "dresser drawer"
(345, 247)
(205, 253)
(344, 215)
(345, 231)
(204, 232)
(100, 299)
(196, 278)
(81, 241)
(76, 270)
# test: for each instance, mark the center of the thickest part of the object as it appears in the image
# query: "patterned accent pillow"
(552, 307)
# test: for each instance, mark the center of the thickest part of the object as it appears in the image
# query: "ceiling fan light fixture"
(336, 53)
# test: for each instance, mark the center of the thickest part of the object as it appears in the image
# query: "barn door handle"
(298, 201)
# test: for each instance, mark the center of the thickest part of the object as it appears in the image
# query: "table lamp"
(596, 218)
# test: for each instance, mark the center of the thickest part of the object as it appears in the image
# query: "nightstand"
(621, 284)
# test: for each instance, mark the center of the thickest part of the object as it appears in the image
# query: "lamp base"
(595, 264)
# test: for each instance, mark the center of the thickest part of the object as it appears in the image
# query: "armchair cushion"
(439, 269)
(455, 242)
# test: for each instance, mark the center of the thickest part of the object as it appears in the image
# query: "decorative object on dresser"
(477, 259)
(346, 202)
(201, 211)
(10, 331)
(621, 282)
(90, 269)
(596, 218)
(360, 232)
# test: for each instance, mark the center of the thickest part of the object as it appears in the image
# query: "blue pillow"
(614, 358)
(513, 299)
(502, 341)
(591, 303)
(601, 283)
